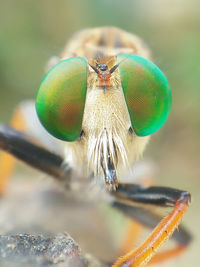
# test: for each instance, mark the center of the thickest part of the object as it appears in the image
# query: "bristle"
(104, 150)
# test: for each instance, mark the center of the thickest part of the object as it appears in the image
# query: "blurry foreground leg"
(7, 162)
(16, 144)
(131, 236)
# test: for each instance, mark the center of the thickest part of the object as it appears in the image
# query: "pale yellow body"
(106, 121)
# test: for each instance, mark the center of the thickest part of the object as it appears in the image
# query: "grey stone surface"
(37, 250)
(41, 251)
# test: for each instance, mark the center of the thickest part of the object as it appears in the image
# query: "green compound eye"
(61, 98)
(146, 91)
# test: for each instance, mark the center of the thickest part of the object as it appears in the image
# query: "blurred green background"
(33, 31)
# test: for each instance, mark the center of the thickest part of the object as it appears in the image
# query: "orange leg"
(7, 161)
(135, 228)
(131, 238)
(161, 233)
(167, 255)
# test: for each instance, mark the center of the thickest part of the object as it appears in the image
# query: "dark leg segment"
(155, 195)
(17, 144)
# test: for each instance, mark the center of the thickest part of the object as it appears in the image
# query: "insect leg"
(18, 145)
(25, 120)
(131, 236)
(7, 162)
(160, 196)
(145, 218)
(150, 220)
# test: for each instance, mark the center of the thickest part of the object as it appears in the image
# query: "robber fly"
(104, 97)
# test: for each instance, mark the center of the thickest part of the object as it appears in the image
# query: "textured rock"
(39, 250)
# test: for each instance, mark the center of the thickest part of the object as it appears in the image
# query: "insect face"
(130, 92)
